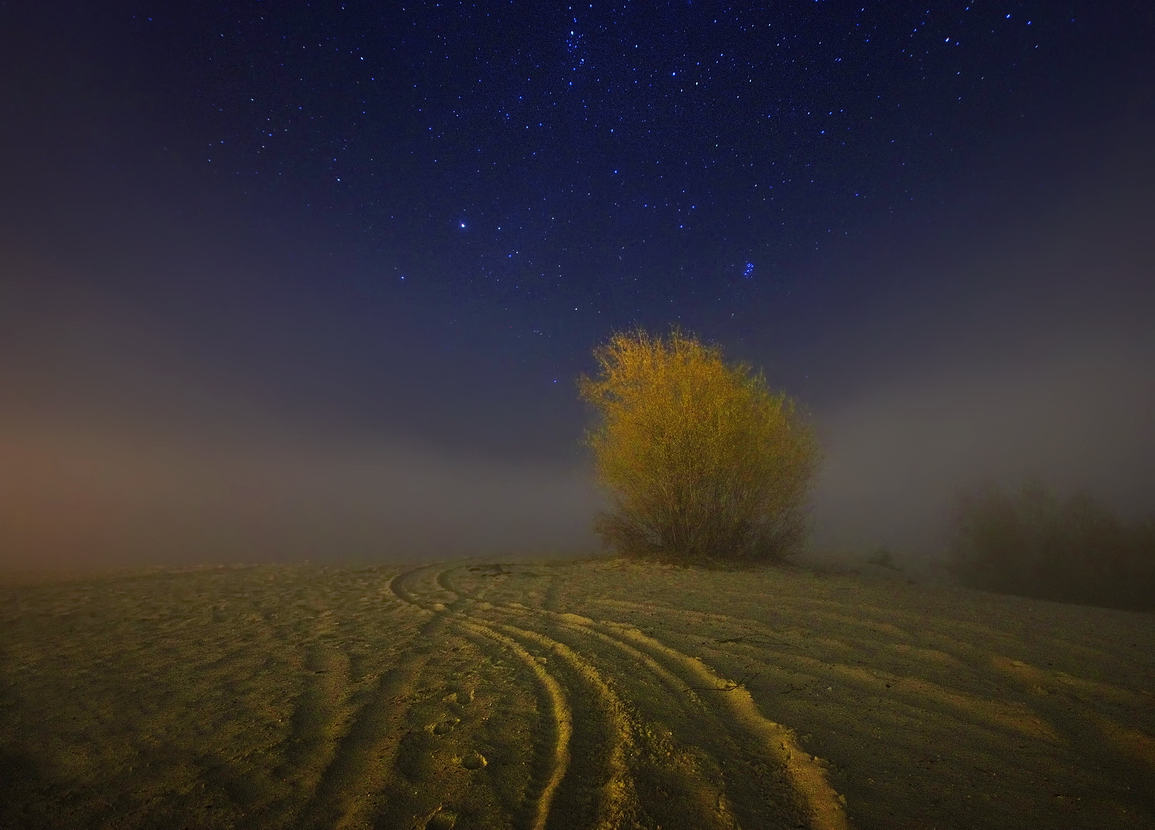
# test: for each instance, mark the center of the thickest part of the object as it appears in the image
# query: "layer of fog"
(74, 498)
(122, 442)
(1078, 419)
(1024, 353)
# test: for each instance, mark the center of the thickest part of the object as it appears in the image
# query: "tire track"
(539, 798)
(604, 753)
(363, 756)
(372, 699)
(674, 724)
(1017, 718)
(609, 732)
(691, 713)
(1060, 715)
(804, 771)
(554, 759)
(317, 715)
(681, 675)
(357, 734)
(652, 751)
(1092, 732)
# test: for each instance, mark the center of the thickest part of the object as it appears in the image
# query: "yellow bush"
(703, 463)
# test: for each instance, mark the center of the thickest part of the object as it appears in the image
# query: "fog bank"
(108, 499)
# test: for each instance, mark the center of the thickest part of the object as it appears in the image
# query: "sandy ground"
(577, 695)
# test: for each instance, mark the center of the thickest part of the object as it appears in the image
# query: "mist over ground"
(223, 429)
(1026, 355)
(1077, 419)
(123, 443)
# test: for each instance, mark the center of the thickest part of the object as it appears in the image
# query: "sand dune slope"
(599, 694)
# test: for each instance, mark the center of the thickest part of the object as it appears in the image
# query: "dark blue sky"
(245, 243)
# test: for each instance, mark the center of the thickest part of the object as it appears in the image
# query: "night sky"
(315, 279)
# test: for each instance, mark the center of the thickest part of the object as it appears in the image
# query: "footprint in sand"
(473, 760)
(445, 726)
(461, 697)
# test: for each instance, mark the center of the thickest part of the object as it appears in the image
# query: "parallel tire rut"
(592, 695)
(642, 749)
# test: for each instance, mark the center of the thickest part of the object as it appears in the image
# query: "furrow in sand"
(864, 631)
(1007, 717)
(554, 756)
(1002, 715)
(318, 715)
(736, 706)
(805, 772)
(601, 765)
(363, 741)
(1073, 688)
(692, 792)
(602, 720)
(557, 756)
(1060, 714)
(1113, 738)
(604, 760)
(363, 758)
(950, 637)
(948, 641)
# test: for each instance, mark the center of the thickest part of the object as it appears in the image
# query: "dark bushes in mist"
(1034, 544)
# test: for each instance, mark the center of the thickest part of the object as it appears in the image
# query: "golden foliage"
(703, 462)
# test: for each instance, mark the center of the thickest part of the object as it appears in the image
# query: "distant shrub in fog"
(704, 464)
(1034, 544)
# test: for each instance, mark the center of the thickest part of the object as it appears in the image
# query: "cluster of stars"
(698, 136)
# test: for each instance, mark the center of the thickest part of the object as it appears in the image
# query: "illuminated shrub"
(703, 463)
(1033, 544)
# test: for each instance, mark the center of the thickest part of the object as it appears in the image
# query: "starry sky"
(315, 279)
